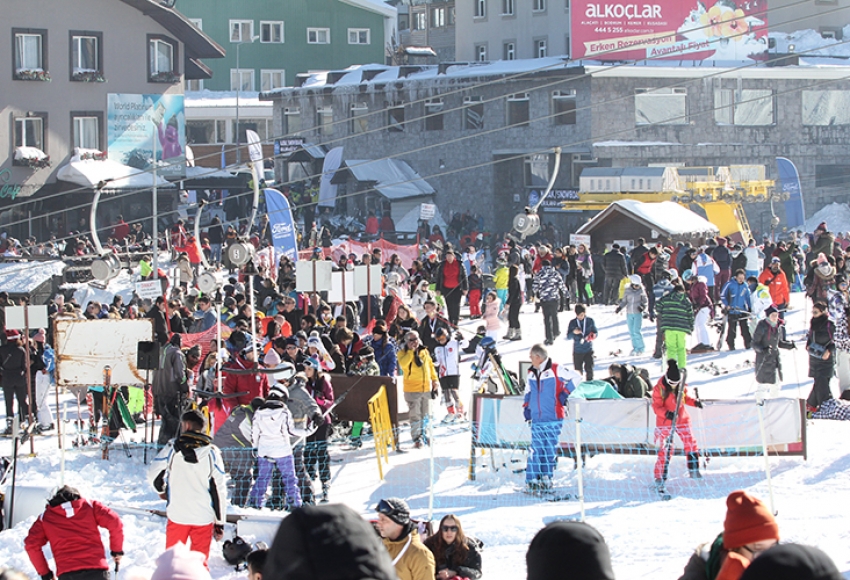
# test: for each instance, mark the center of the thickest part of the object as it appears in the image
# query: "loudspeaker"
(147, 356)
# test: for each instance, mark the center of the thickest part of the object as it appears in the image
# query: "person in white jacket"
(189, 473)
(271, 430)
(447, 361)
(754, 259)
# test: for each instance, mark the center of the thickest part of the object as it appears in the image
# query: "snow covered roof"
(91, 172)
(393, 178)
(669, 219)
(208, 98)
(602, 171)
(376, 6)
(25, 277)
(836, 216)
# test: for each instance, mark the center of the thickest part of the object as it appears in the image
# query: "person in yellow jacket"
(421, 384)
(501, 279)
(411, 559)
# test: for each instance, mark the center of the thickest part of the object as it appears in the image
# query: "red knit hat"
(747, 520)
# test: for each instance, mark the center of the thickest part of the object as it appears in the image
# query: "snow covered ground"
(648, 538)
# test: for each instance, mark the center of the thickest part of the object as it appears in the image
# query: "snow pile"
(836, 215)
(810, 43)
(24, 277)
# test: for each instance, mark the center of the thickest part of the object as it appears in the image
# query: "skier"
(447, 360)
(70, 525)
(769, 336)
(676, 319)
(635, 302)
(190, 475)
(665, 399)
(234, 440)
(737, 305)
(547, 387)
(703, 308)
(548, 286)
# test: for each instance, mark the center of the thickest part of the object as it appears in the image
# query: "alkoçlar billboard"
(669, 29)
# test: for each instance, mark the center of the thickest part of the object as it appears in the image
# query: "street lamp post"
(238, 88)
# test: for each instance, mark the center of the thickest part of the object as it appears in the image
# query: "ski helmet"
(235, 551)
(487, 343)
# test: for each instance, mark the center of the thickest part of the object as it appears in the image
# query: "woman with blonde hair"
(456, 555)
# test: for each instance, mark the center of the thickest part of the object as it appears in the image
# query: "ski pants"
(286, 467)
(91, 574)
(420, 407)
(550, 319)
(662, 434)
(42, 389)
(10, 393)
(503, 296)
(634, 321)
(316, 455)
(169, 412)
(541, 455)
(449, 386)
(736, 320)
(475, 302)
(305, 484)
(239, 463)
(583, 362)
(676, 349)
(197, 537)
(453, 297)
(701, 325)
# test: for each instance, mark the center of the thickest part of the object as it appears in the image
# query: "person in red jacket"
(777, 284)
(665, 396)
(70, 525)
(252, 384)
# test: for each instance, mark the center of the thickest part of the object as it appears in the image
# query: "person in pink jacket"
(491, 316)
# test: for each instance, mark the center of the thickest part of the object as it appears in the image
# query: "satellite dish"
(526, 224)
(208, 282)
(106, 267)
(240, 253)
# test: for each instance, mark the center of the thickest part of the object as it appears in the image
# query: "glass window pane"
(200, 131)
(660, 108)
(755, 107)
(826, 108)
(28, 51)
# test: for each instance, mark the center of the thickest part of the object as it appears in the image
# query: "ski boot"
(8, 431)
(693, 466)
(326, 490)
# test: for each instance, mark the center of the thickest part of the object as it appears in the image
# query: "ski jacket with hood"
(272, 428)
(191, 472)
(664, 399)
(547, 390)
(71, 529)
(548, 285)
(254, 384)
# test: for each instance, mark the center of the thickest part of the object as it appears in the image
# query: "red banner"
(669, 29)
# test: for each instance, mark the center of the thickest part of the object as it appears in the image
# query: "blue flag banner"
(789, 182)
(283, 228)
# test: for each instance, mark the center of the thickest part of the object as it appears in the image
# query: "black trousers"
(583, 362)
(550, 319)
(734, 321)
(513, 314)
(316, 453)
(452, 297)
(85, 575)
(12, 393)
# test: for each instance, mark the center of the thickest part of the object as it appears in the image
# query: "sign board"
(304, 275)
(149, 289)
(133, 122)
(554, 200)
(342, 282)
(427, 211)
(84, 347)
(733, 30)
(288, 146)
(37, 317)
(367, 280)
(576, 239)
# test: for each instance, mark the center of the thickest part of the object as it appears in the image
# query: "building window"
(162, 60)
(359, 36)
(451, 16)
(85, 129)
(826, 108)
(395, 117)
(291, 120)
(537, 170)
(241, 79)
(241, 30)
(359, 115)
(518, 111)
(206, 131)
(481, 52)
(473, 113)
(480, 8)
(420, 21)
(538, 6)
(30, 56)
(324, 121)
(198, 22)
(434, 115)
(29, 132)
(438, 17)
(85, 54)
(318, 36)
(258, 126)
(194, 85)
(832, 176)
(564, 107)
(271, 31)
(271, 79)
(540, 48)
(666, 106)
(509, 51)
(508, 7)
(747, 107)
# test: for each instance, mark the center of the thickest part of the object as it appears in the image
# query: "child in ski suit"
(475, 287)
(665, 397)
(635, 302)
(491, 316)
(271, 429)
(447, 361)
(582, 331)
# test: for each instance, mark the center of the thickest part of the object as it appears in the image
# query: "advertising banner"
(789, 182)
(554, 201)
(733, 30)
(133, 123)
(280, 221)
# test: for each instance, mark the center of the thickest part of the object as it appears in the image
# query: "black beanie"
(792, 562)
(673, 375)
(330, 542)
(565, 549)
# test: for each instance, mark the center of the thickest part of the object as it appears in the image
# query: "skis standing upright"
(680, 400)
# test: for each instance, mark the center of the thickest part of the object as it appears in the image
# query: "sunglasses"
(450, 528)
(385, 508)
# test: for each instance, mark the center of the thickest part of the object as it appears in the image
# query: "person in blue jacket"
(546, 390)
(582, 330)
(738, 307)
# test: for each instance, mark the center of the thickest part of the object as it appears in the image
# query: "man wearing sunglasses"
(411, 559)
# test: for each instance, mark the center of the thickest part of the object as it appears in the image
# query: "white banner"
(327, 190)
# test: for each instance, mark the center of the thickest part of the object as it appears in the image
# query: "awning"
(213, 178)
(307, 154)
(392, 178)
(107, 174)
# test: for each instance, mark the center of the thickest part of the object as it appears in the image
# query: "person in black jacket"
(821, 348)
(514, 303)
(160, 326)
(13, 367)
(456, 555)
(614, 264)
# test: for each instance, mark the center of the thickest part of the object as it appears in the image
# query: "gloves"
(617, 310)
(317, 419)
(218, 532)
(116, 554)
(48, 576)
(526, 413)
(698, 404)
(669, 415)
(435, 392)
